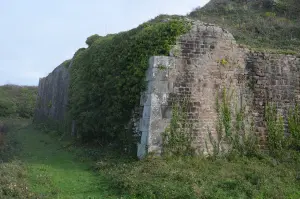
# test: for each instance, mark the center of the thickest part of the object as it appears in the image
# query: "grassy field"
(46, 170)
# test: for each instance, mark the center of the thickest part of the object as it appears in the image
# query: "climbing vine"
(177, 138)
(108, 77)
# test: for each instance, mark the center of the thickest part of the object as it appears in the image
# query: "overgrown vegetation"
(266, 25)
(234, 129)
(17, 101)
(294, 127)
(281, 141)
(275, 126)
(235, 169)
(177, 138)
(203, 178)
(108, 77)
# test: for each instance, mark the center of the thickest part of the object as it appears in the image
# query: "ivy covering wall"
(107, 78)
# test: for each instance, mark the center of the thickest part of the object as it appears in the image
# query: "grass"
(44, 168)
(50, 171)
(253, 26)
(41, 166)
(203, 178)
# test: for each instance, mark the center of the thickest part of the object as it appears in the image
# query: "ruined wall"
(272, 78)
(205, 61)
(194, 69)
(53, 96)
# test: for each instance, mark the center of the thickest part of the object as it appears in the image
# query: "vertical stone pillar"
(156, 112)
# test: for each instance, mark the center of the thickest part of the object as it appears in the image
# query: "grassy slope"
(52, 172)
(255, 25)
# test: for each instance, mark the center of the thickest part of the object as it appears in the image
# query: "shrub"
(7, 107)
(17, 100)
(91, 39)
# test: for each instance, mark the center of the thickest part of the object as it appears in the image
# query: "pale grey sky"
(36, 36)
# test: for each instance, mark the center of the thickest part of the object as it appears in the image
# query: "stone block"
(144, 124)
(147, 112)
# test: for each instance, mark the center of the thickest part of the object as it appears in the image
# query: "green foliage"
(50, 104)
(177, 138)
(270, 14)
(225, 109)
(258, 24)
(91, 39)
(294, 127)
(290, 8)
(108, 77)
(67, 63)
(235, 134)
(275, 127)
(17, 101)
(199, 178)
(7, 107)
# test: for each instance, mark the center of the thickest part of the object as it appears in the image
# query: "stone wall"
(275, 79)
(205, 61)
(53, 96)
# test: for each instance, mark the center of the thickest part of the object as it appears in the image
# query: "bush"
(7, 107)
(17, 101)
(90, 40)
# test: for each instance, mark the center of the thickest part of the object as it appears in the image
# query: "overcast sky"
(36, 36)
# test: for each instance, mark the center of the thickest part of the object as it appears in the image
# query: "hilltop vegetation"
(17, 101)
(272, 25)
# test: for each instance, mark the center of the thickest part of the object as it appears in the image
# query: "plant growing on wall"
(232, 136)
(108, 77)
(294, 127)
(275, 127)
(177, 138)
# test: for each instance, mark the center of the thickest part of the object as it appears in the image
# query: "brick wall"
(206, 60)
(272, 78)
